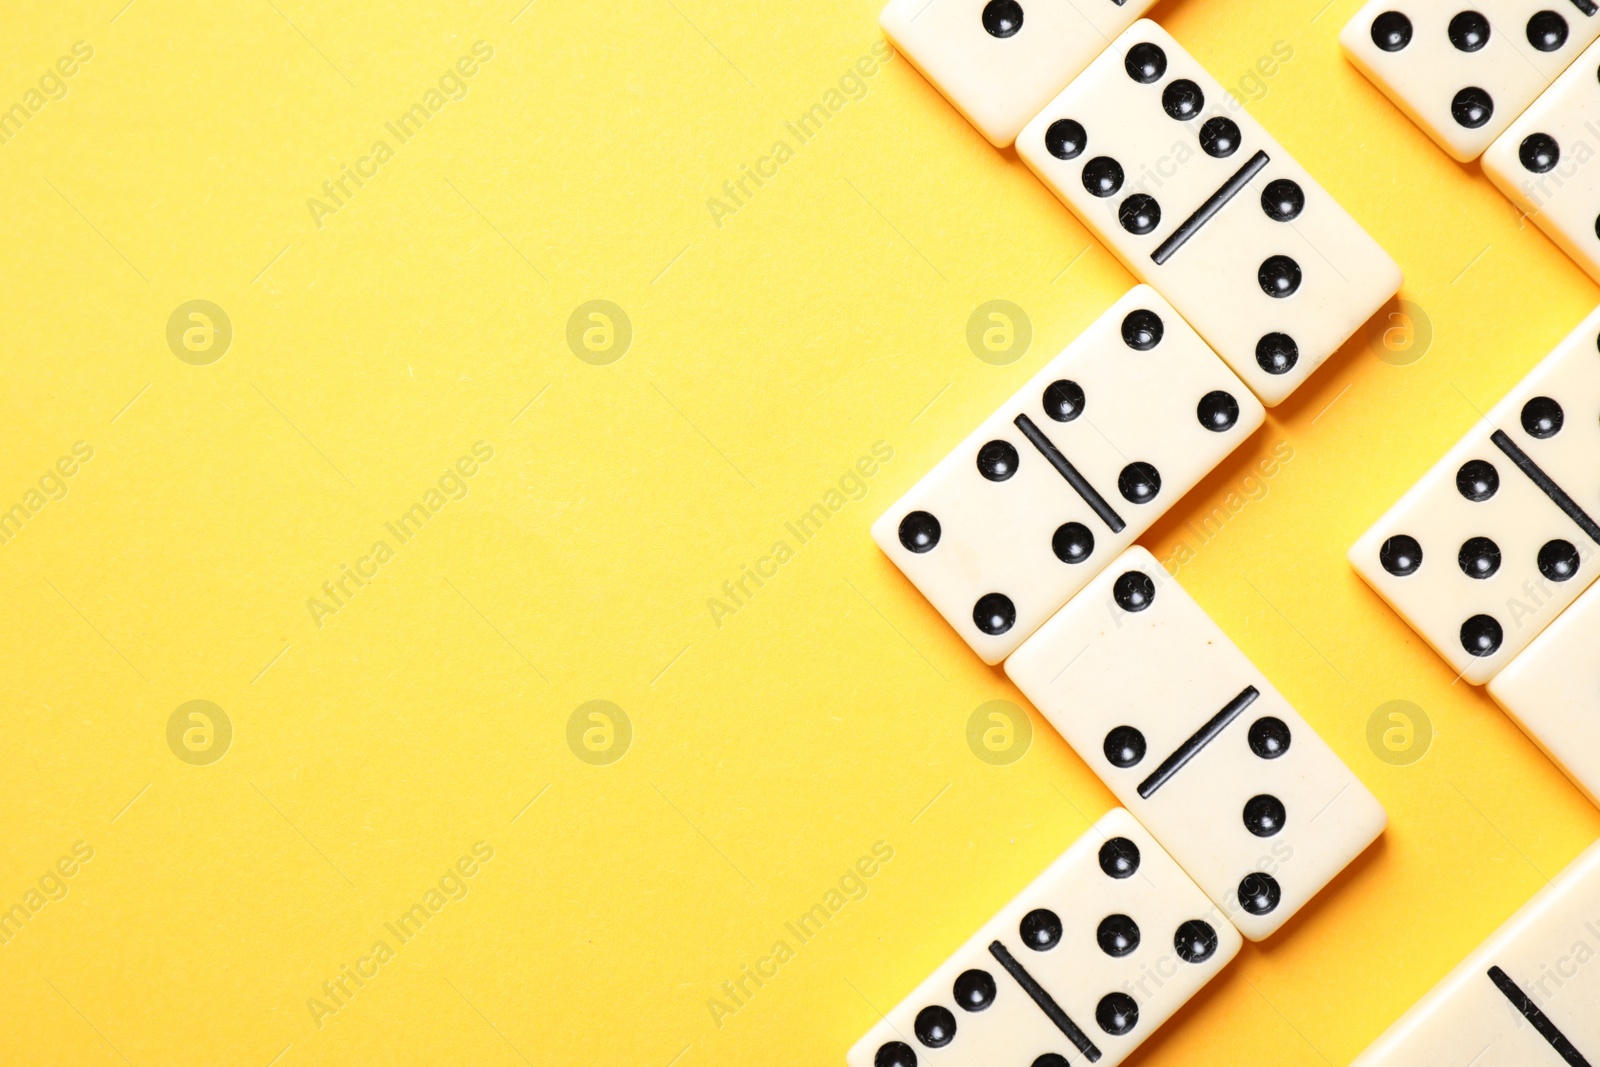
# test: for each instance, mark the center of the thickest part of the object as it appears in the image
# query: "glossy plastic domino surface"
(1545, 162)
(1552, 690)
(1000, 61)
(1082, 966)
(1501, 534)
(1463, 71)
(1197, 743)
(1198, 200)
(1096, 446)
(1528, 997)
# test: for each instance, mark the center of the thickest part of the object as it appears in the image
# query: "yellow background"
(768, 354)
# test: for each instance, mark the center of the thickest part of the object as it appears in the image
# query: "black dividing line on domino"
(1586, 6)
(1046, 1002)
(1541, 1022)
(1074, 478)
(1202, 737)
(1546, 485)
(1202, 214)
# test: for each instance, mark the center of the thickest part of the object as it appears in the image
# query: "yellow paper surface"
(383, 735)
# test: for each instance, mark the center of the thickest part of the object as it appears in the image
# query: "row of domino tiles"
(1087, 666)
(1235, 814)
(1491, 557)
(1113, 938)
(1165, 167)
(1488, 80)
(1492, 570)
(1022, 537)
(1256, 814)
